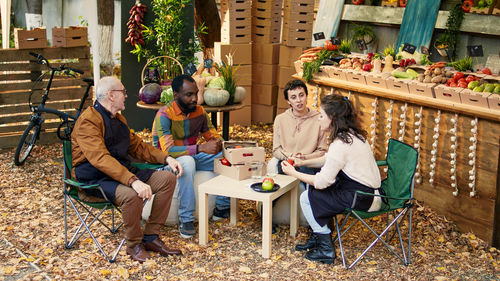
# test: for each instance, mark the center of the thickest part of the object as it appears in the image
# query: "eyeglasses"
(124, 91)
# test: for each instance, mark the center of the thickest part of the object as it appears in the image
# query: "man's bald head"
(105, 85)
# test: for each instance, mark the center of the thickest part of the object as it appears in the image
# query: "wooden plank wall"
(470, 214)
(18, 75)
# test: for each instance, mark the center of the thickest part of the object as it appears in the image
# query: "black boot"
(309, 245)
(324, 252)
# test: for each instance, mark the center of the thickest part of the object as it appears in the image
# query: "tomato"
(453, 84)
(225, 162)
(402, 3)
(357, 2)
(290, 161)
(470, 78)
(451, 80)
(467, 5)
(462, 84)
(461, 80)
(486, 71)
(458, 75)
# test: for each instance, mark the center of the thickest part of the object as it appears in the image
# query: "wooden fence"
(18, 74)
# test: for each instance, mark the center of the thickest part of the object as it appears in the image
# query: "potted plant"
(441, 44)
(226, 73)
(364, 32)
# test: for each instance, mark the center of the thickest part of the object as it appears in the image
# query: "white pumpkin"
(239, 94)
(215, 96)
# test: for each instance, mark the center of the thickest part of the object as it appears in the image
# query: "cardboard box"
(30, 39)
(266, 34)
(242, 53)
(282, 102)
(474, 98)
(355, 77)
(264, 73)
(375, 80)
(299, 6)
(242, 117)
(264, 94)
(236, 31)
(451, 94)
(422, 89)
(267, 5)
(398, 85)
(244, 75)
(334, 72)
(237, 172)
(285, 75)
(265, 53)
(72, 36)
(263, 113)
(249, 151)
(494, 101)
(241, 38)
(280, 110)
(288, 55)
(232, 5)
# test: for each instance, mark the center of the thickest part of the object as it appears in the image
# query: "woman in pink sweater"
(348, 166)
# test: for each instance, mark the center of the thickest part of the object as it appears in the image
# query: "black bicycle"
(32, 132)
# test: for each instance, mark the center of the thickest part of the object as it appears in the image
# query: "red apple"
(225, 162)
(458, 75)
(470, 78)
(290, 161)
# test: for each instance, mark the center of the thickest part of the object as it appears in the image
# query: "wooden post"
(495, 241)
(5, 7)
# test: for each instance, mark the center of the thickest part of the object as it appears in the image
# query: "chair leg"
(340, 240)
(408, 261)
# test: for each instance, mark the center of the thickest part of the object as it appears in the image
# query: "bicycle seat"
(88, 80)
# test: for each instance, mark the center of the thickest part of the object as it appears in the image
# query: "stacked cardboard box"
(298, 22)
(242, 58)
(266, 21)
(288, 55)
(236, 20)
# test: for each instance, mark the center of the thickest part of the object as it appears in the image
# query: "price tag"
(475, 50)
(407, 47)
(424, 50)
(335, 41)
(361, 44)
(207, 63)
(318, 36)
(190, 69)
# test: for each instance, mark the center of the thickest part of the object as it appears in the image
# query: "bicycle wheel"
(26, 143)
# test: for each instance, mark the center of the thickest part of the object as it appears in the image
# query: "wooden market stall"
(459, 167)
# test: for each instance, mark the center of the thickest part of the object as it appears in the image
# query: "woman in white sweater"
(348, 166)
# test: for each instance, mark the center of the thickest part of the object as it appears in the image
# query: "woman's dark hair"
(179, 81)
(345, 121)
(292, 85)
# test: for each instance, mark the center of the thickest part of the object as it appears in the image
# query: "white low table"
(225, 186)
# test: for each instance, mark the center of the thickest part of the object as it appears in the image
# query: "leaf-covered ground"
(32, 240)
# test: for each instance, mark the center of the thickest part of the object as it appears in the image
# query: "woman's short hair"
(292, 85)
(345, 121)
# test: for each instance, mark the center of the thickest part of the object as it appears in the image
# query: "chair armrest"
(86, 186)
(142, 166)
(381, 162)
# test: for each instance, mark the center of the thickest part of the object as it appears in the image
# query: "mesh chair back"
(401, 162)
(67, 159)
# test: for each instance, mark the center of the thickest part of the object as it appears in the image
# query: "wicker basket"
(169, 63)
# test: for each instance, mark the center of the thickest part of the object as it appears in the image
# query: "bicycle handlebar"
(42, 60)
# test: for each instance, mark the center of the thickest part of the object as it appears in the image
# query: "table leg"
(225, 125)
(203, 218)
(213, 116)
(267, 217)
(294, 210)
(234, 211)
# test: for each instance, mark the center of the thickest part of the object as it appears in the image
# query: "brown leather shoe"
(138, 253)
(159, 246)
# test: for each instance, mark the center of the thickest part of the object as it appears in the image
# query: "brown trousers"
(162, 185)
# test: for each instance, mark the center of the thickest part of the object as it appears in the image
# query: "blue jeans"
(187, 202)
(305, 205)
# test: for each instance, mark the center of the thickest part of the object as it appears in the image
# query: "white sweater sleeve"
(335, 160)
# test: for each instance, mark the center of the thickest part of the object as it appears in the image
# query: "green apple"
(267, 184)
(489, 88)
(473, 84)
(497, 90)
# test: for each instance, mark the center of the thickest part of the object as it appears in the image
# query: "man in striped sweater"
(176, 129)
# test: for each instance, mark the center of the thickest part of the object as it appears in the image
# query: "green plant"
(389, 50)
(226, 71)
(166, 33)
(363, 31)
(312, 67)
(450, 37)
(345, 46)
(463, 64)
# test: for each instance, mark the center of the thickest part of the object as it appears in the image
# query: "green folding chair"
(93, 209)
(398, 201)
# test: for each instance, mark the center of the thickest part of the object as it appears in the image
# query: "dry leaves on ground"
(31, 220)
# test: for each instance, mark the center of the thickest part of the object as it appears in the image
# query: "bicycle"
(32, 132)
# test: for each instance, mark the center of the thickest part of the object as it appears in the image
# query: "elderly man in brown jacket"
(101, 145)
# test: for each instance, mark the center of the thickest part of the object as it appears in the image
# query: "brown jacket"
(88, 144)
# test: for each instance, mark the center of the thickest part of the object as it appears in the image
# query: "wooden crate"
(235, 5)
(236, 31)
(17, 75)
(267, 5)
(72, 36)
(30, 39)
(386, 3)
(298, 6)
(484, 11)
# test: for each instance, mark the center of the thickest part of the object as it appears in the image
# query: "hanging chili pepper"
(134, 24)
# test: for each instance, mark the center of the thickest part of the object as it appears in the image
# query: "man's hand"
(142, 189)
(212, 146)
(175, 166)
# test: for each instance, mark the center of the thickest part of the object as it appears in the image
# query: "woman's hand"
(297, 162)
(175, 166)
(287, 168)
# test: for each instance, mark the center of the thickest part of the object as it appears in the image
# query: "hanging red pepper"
(357, 2)
(467, 5)
(134, 24)
(402, 3)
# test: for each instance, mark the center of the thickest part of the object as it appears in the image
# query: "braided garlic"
(453, 154)
(434, 148)
(472, 157)
(418, 132)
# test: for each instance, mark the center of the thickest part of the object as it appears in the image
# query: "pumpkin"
(329, 46)
(239, 94)
(215, 96)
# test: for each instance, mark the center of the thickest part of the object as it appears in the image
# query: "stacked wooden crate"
(266, 21)
(288, 55)
(236, 20)
(298, 17)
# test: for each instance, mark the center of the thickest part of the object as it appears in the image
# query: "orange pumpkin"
(329, 46)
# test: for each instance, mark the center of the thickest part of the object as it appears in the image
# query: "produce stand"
(458, 173)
